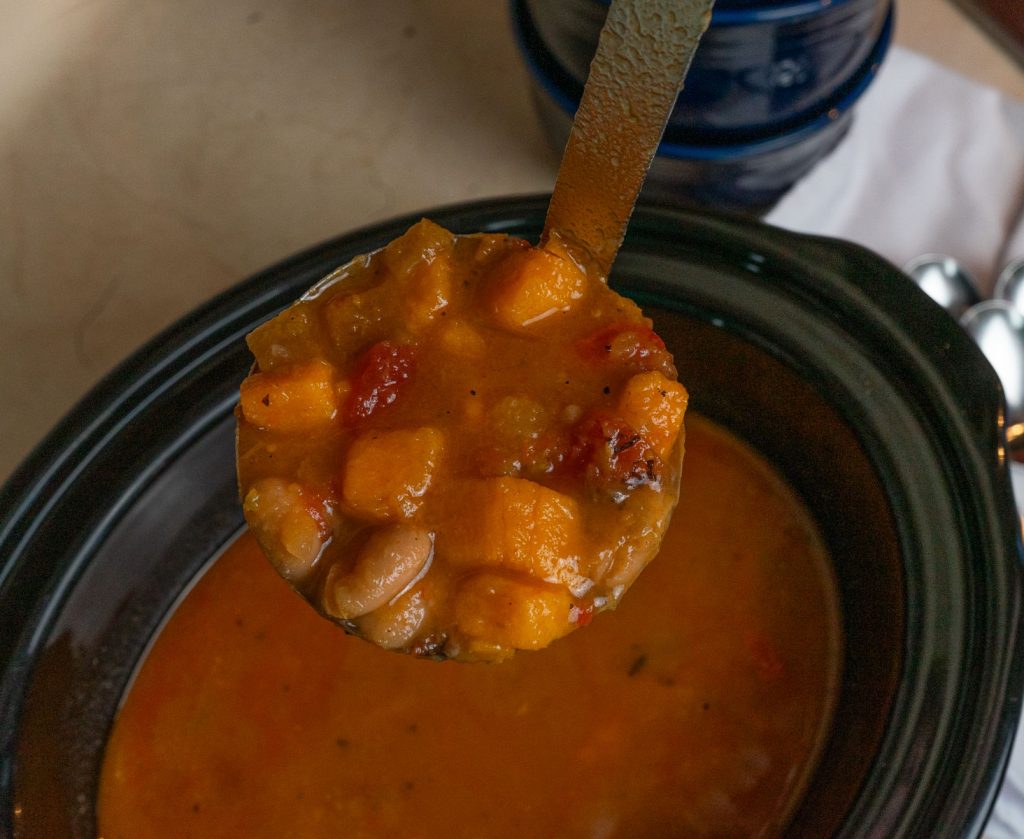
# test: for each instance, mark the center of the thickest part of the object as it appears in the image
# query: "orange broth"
(697, 708)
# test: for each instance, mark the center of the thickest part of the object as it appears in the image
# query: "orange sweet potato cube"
(532, 285)
(421, 242)
(290, 338)
(429, 291)
(516, 524)
(655, 406)
(512, 613)
(462, 340)
(387, 473)
(355, 319)
(419, 262)
(294, 399)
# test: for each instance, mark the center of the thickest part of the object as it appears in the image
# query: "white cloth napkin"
(934, 163)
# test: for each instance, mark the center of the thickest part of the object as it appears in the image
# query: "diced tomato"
(378, 378)
(632, 345)
(581, 615)
(614, 456)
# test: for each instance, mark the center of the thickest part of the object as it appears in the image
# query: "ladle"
(643, 54)
(338, 511)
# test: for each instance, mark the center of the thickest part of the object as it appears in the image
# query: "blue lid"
(731, 12)
(566, 92)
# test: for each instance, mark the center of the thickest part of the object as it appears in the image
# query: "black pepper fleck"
(637, 665)
(607, 389)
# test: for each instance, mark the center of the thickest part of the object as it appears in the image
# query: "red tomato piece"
(378, 378)
(613, 455)
(630, 344)
(581, 615)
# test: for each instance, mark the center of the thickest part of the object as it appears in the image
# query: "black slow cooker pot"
(880, 412)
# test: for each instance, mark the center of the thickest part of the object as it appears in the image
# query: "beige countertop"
(153, 153)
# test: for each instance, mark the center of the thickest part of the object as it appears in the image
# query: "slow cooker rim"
(53, 464)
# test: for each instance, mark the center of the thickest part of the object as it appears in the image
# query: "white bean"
(286, 524)
(396, 623)
(392, 558)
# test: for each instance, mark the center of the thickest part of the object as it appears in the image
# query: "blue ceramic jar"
(740, 170)
(762, 64)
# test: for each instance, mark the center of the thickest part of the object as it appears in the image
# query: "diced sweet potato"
(288, 339)
(654, 406)
(353, 319)
(429, 292)
(516, 524)
(420, 244)
(293, 399)
(512, 613)
(462, 341)
(533, 285)
(420, 263)
(387, 473)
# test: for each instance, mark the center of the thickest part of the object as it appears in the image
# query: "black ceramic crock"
(879, 411)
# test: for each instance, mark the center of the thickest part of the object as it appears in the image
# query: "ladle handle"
(643, 54)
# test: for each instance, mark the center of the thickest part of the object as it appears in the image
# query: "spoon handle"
(643, 54)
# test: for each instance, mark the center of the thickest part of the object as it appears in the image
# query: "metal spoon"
(944, 280)
(643, 54)
(997, 327)
(1010, 285)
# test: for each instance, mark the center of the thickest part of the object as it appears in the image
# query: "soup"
(697, 708)
(444, 374)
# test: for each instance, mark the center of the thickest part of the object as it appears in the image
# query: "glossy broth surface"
(697, 708)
